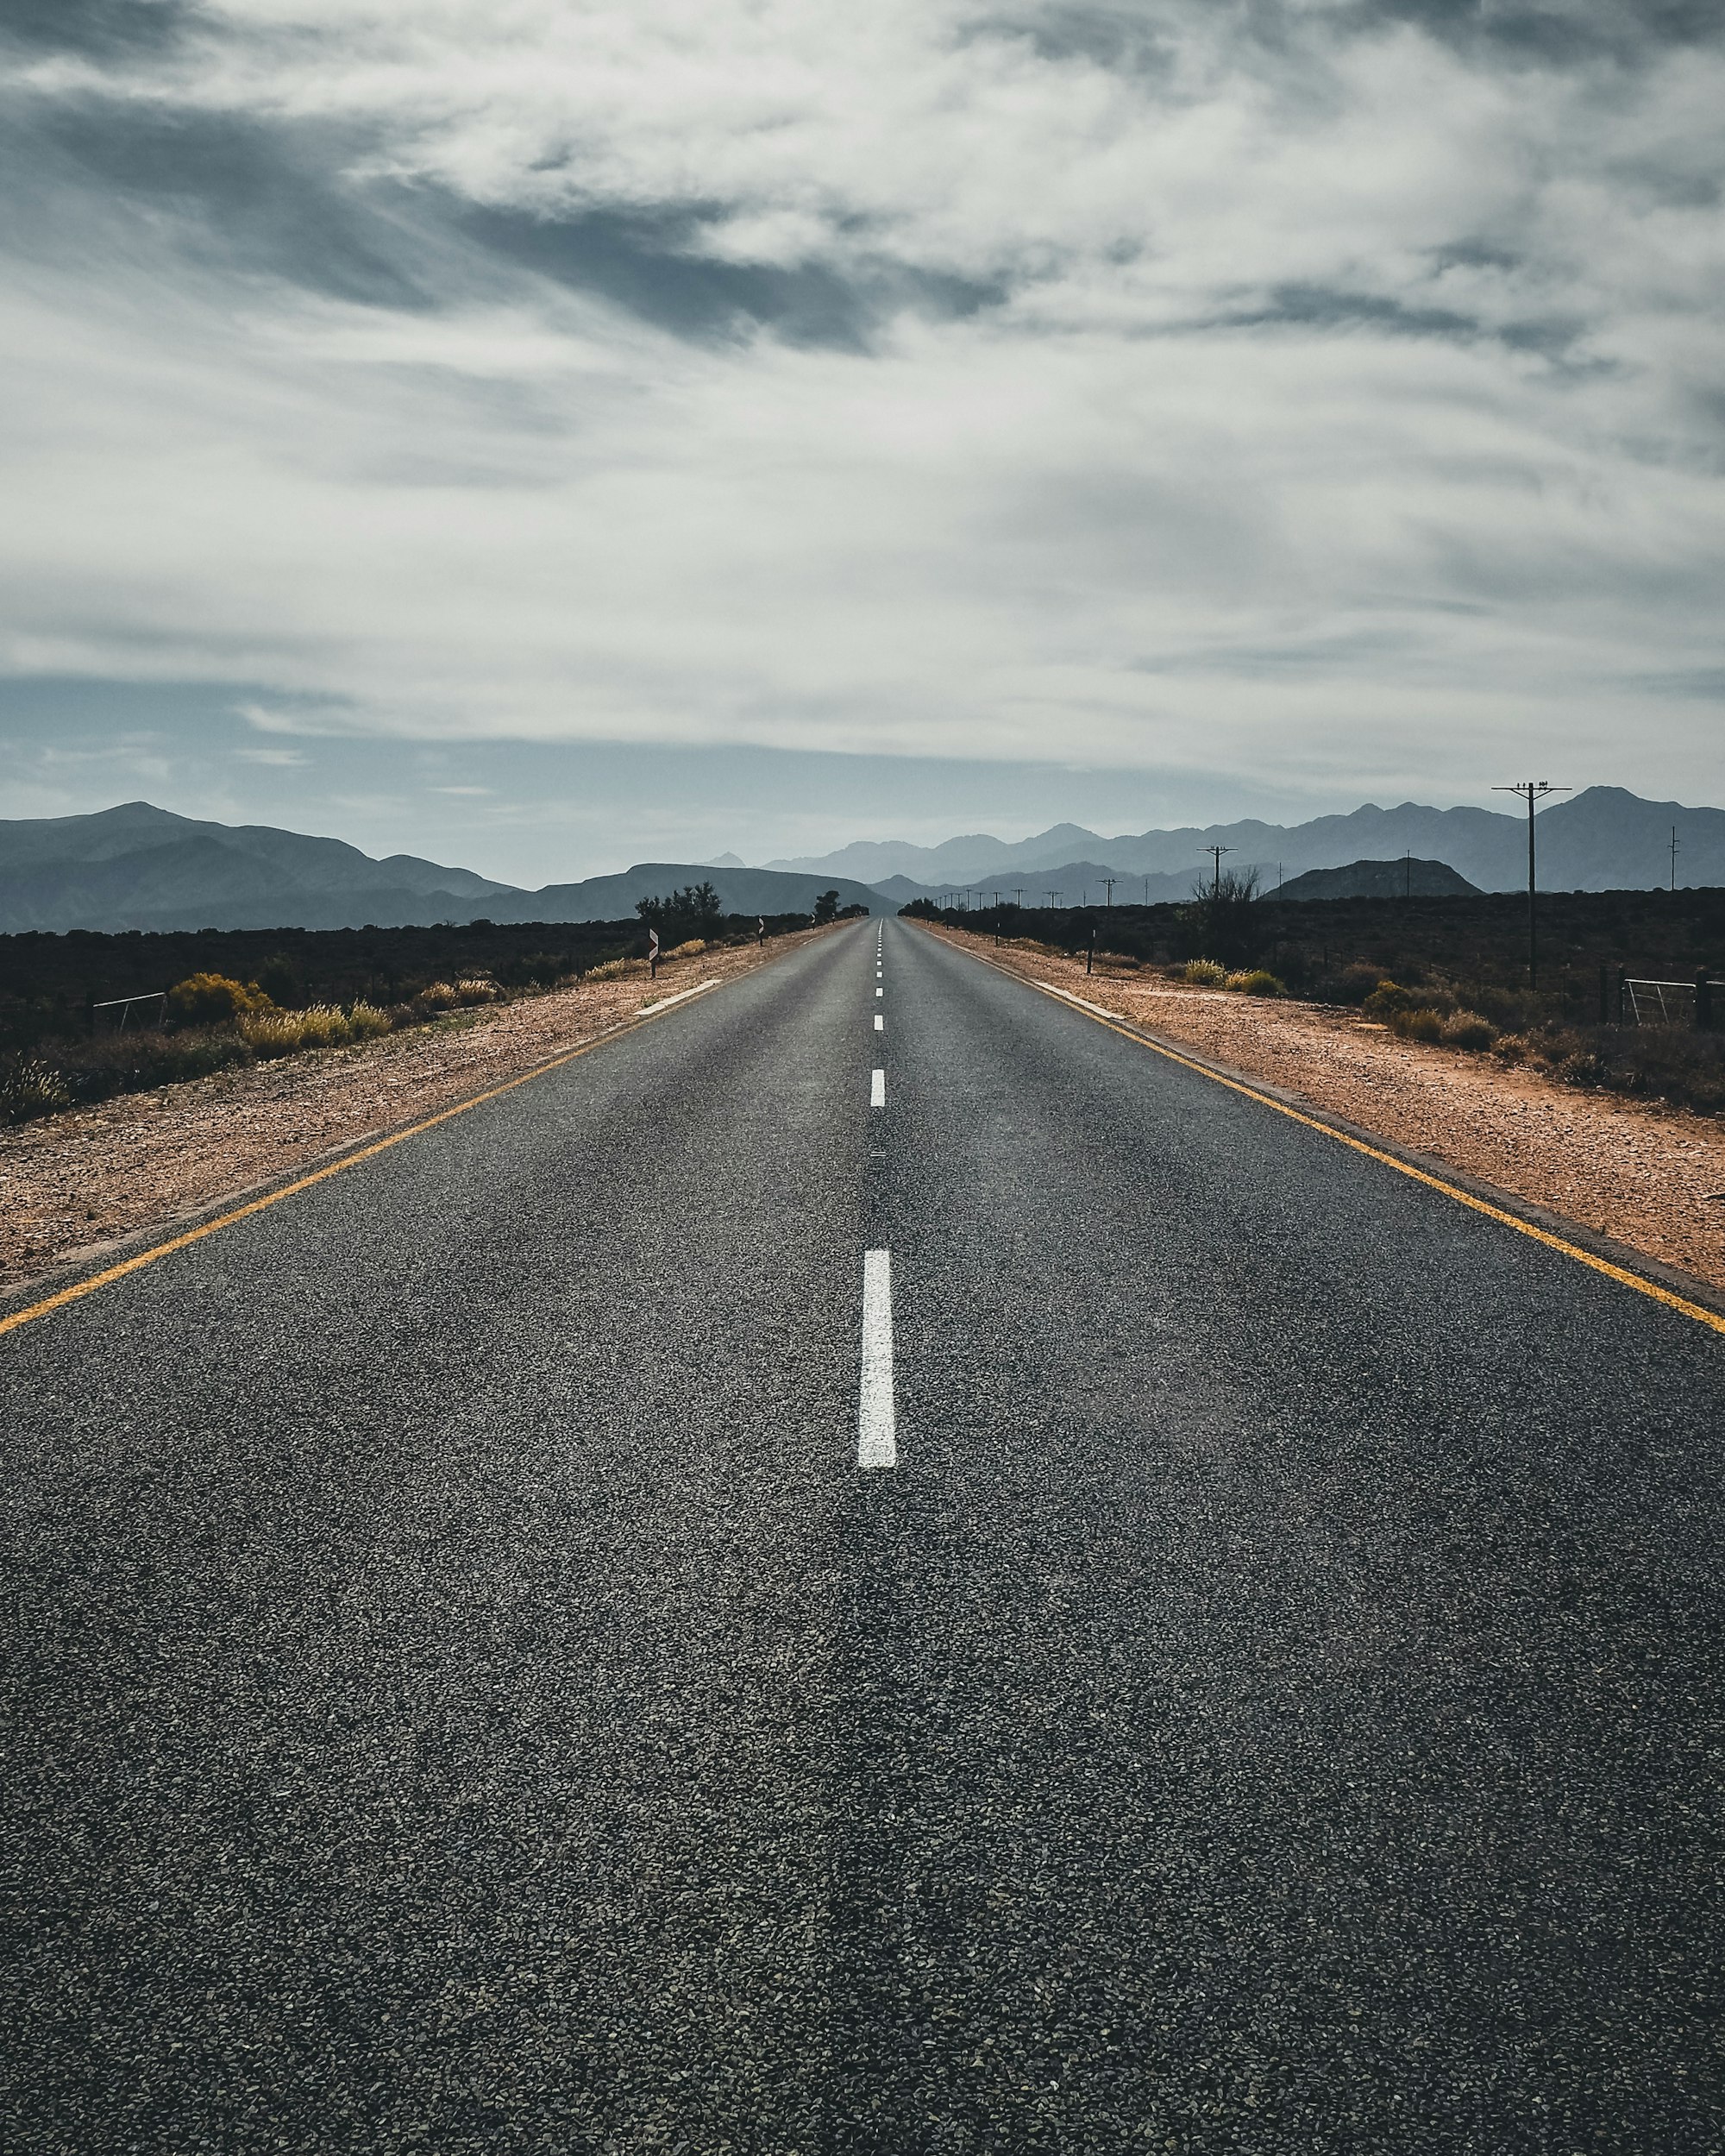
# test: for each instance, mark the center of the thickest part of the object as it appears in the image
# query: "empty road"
(871, 1568)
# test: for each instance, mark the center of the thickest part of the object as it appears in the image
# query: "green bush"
(1469, 1029)
(1258, 981)
(1204, 973)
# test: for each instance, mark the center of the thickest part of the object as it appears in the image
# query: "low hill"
(1405, 878)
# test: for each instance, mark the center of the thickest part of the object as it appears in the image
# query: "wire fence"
(123, 1004)
(1688, 1003)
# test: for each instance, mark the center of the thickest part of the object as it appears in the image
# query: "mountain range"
(137, 866)
(1604, 838)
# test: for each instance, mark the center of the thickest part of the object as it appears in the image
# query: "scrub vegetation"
(219, 998)
(1450, 973)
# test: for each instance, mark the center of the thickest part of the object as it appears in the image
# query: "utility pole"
(1532, 790)
(1674, 856)
(1407, 873)
(1053, 898)
(1108, 886)
(1216, 853)
(1018, 897)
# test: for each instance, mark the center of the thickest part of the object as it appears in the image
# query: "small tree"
(695, 910)
(1222, 920)
(826, 908)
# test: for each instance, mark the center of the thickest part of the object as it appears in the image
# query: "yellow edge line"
(80, 1288)
(1702, 1316)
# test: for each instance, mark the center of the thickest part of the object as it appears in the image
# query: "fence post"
(1703, 1000)
(1604, 997)
(1623, 993)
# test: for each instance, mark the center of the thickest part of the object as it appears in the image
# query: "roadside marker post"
(652, 954)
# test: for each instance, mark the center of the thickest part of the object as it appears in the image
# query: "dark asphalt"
(462, 1696)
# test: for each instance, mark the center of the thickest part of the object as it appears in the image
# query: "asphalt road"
(463, 1694)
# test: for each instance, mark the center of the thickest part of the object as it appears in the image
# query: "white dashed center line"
(877, 1089)
(877, 1440)
(880, 1023)
(880, 992)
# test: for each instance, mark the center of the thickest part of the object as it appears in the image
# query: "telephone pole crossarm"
(1532, 790)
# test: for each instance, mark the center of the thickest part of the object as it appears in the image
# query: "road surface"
(1259, 1691)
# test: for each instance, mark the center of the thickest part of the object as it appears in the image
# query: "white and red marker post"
(652, 954)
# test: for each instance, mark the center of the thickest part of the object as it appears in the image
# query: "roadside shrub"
(322, 1026)
(1358, 981)
(1582, 1067)
(1258, 981)
(615, 969)
(30, 1087)
(436, 995)
(476, 991)
(277, 1033)
(1469, 1029)
(1387, 998)
(205, 999)
(1510, 1047)
(365, 1021)
(1415, 1025)
(1204, 973)
(692, 949)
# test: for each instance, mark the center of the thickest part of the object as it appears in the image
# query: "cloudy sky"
(546, 435)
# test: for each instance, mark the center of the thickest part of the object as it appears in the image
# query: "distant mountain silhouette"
(141, 867)
(1604, 839)
(137, 866)
(1379, 879)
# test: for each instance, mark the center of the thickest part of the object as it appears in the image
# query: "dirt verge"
(73, 1184)
(1648, 1176)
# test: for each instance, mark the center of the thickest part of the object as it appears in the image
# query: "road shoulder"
(1627, 1182)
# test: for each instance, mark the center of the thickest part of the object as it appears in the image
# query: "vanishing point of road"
(872, 1568)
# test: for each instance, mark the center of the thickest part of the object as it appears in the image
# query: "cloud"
(1321, 390)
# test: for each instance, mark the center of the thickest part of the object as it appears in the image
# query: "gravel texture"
(1649, 1176)
(460, 1696)
(70, 1184)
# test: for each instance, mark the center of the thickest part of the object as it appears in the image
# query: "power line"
(1216, 852)
(1532, 790)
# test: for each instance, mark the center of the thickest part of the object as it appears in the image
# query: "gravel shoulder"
(74, 1184)
(1642, 1174)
